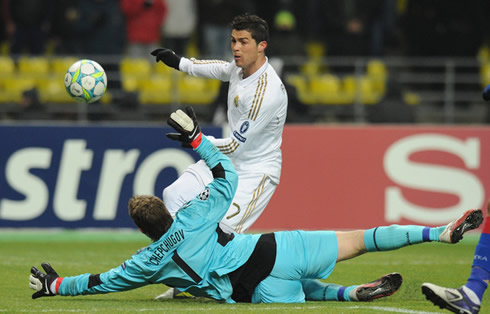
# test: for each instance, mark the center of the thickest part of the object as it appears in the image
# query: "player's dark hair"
(150, 215)
(257, 26)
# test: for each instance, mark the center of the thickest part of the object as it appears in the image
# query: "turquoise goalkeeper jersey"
(194, 255)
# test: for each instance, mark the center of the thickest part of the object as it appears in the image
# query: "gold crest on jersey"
(235, 101)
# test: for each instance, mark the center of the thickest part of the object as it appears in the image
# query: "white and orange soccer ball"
(85, 81)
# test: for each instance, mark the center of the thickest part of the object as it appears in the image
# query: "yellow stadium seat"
(484, 54)
(300, 83)
(7, 65)
(133, 72)
(376, 68)
(360, 89)
(16, 85)
(349, 84)
(369, 95)
(4, 48)
(4, 96)
(106, 98)
(36, 68)
(197, 91)
(315, 49)
(7, 68)
(214, 85)
(52, 90)
(192, 48)
(135, 66)
(378, 74)
(192, 83)
(411, 98)
(60, 65)
(130, 83)
(485, 74)
(156, 90)
(326, 83)
(33, 65)
(315, 64)
(161, 68)
(311, 67)
(327, 90)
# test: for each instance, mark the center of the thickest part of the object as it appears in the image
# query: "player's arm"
(122, 278)
(251, 125)
(215, 69)
(223, 187)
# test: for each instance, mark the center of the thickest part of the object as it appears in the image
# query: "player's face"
(246, 51)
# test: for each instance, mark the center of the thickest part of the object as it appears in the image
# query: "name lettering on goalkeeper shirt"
(167, 244)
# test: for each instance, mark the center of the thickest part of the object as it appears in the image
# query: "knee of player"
(360, 241)
(167, 193)
(234, 181)
(350, 244)
(170, 197)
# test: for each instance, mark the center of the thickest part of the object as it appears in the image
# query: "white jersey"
(257, 108)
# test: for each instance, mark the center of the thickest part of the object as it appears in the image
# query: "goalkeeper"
(256, 109)
(192, 253)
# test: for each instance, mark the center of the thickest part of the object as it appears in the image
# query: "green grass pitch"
(75, 252)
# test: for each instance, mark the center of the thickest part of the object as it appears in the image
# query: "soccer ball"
(85, 81)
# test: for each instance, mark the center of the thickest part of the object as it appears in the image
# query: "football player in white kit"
(257, 108)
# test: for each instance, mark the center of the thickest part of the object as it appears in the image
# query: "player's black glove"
(185, 123)
(167, 56)
(486, 93)
(42, 282)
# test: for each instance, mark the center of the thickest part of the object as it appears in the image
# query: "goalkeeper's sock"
(396, 236)
(315, 290)
(480, 270)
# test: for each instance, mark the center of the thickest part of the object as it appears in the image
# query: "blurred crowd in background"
(200, 28)
(345, 27)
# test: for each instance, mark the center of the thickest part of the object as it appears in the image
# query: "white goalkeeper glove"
(44, 284)
(185, 123)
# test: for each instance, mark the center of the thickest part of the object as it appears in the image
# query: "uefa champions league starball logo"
(204, 195)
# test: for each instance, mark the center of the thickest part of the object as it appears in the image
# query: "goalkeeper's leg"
(315, 290)
(354, 243)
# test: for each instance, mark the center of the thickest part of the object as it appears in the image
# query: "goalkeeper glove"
(185, 123)
(42, 282)
(167, 56)
(486, 93)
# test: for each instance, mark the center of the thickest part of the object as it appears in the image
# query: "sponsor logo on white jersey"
(239, 136)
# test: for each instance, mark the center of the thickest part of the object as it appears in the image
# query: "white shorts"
(252, 196)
